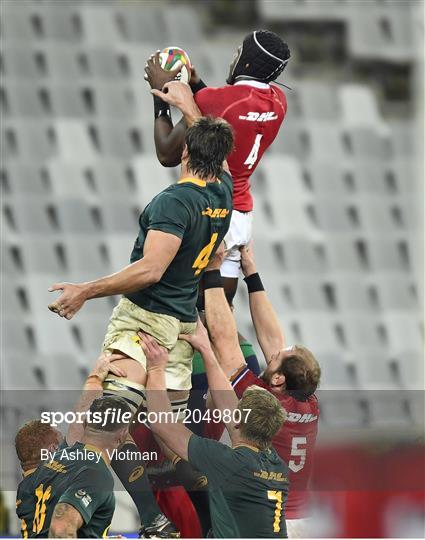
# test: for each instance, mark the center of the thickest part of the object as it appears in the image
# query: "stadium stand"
(338, 223)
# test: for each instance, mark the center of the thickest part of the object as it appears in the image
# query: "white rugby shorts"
(239, 234)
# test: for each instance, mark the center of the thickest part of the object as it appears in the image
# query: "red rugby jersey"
(294, 442)
(255, 113)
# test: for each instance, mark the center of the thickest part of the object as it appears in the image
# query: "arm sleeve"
(244, 378)
(212, 458)
(168, 214)
(88, 491)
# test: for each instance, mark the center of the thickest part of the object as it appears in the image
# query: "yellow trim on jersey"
(196, 181)
(28, 472)
(247, 446)
(98, 451)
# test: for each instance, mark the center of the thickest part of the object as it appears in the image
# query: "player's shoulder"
(277, 91)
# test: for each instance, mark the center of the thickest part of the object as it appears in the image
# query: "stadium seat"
(325, 139)
(303, 255)
(327, 177)
(283, 180)
(360, 108)
(373, 371)
(74, 141)
(387, 255)
(43, 255)
(410, 368)
(120, 247)
(61, 372)
(361, 332)
(34, 217)
(27, 179)
(17, 23)
(335, 373)
(138, 25)
(319, 101)
(113, 101)
(76, 216)
(65, 63)
(110, 178)
(19, 63)
(86, 257)
(14, 297)
(354, 293)
(309, 294)
(319, 331)
(18, 374)
(335, 216)
(145, 169)
(60, 24)
(105, 63)
(183, 26)
(67, 180)
(397, 293)
(404, 331)
(379, 214)
(389, 408)
(68, 101)
(17, 337)
(120, 217)
(117, 139)
(368, 144)
(31, 140)
(341, 409)
(99, 25)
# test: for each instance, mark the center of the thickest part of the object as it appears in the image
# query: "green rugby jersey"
(67, 478)
(247, 488)
(199, 213)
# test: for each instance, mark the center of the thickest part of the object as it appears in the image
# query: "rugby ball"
(174, 57)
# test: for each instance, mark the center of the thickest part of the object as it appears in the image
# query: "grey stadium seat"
(303, 255)
(119, 248)
(20, 63)
(404, 331)
(354, 293)
(76, 216)
(362, 332)
(147, 168)
(18, 374)
(100, 27)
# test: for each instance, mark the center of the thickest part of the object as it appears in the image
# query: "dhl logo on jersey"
(56, 466)
(278, 477)
(253, 116)
(216, 213)
(301, 418)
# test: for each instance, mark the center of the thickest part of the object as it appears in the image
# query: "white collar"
(255, 84)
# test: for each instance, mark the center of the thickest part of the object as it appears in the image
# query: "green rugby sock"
(135, 479)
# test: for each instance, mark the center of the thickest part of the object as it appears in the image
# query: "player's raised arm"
(220, 320)
(169, 139)
(159, 250)
(267, 326)
(222, 393)
(93, 389)
(175, 435)
(180, 95)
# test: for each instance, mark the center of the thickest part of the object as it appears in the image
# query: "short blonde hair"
(265, 418)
